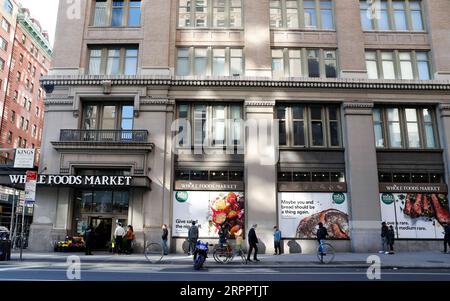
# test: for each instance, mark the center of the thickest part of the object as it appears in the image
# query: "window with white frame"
(210, 13)
(5, 25)
(393, 15)
(310, 14)
(117, 13)
(302, 125)
(207, 61)
(405, 127)
(113, 60)
(398, 64)
(302, 62)
(8, 6)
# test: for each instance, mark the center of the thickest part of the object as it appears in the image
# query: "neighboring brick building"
(23, 112)
(25, 56)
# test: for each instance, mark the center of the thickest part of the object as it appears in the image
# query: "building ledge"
(109, 146)
(49, 82)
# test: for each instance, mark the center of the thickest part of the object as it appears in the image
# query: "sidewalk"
(353, 260)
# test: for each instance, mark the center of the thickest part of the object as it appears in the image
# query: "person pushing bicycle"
(322, 234)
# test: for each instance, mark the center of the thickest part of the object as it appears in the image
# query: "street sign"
(24, 158)
(30, 187)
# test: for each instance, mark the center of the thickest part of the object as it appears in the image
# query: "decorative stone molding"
(357, 108)
(312, 83)
(107, 86)
(444, 108)
(259, 102)
(155, 101)
(58, 101)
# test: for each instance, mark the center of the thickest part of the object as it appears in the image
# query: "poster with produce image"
(211, 210)
(299, 214)
(417, 215)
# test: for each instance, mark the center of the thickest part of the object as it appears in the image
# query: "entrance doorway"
(103, 232)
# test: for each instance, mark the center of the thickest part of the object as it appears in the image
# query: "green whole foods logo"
(338, 198)
(181, 196)
(387, 198)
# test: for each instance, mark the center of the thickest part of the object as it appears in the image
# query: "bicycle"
(325, 252)
(154, 252)
(224, 253)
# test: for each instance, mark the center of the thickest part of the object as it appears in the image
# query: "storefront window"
(302, 177)
(218, 175)
(102, 202)
(285, 176)
(401, 178)
(236, 175)
(320, 177)
(120, 202)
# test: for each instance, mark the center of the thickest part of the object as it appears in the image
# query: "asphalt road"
(139, 272)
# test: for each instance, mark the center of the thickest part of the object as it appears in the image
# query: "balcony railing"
(118, 136)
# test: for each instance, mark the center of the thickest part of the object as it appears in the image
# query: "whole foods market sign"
(75, 180)
(393, 188)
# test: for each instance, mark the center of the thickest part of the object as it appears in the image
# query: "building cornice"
(35, 33)
(259, 102)
(311, 83)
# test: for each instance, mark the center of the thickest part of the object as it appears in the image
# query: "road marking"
(21, 268)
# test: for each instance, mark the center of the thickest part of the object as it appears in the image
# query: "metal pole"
(12, 215)
(23, 228)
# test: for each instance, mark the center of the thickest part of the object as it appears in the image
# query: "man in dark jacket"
(164, 235)
(321, 234)
(391, 239)
(89, 240)
(252, 241)
(446, 236)
(384, 238)
(192, 237)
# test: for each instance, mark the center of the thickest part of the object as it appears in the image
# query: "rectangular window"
(3, 44)
(326, 15)
(10, 137)
(395, 136)
(292, 17)
(200, 61)
(113, 61)
(378, 127)
(183, 66)
(310, 14)
(394, 15)
(134, 13)
(108, 117)
(13, 116)
(416, 125)
(276, 19)
(304, 62)
(213, 125)
(118, 7)
(308, 125)
(5, 25)
(210, 61)
(406, 65)
(214, 13)
(2, 64)
(281, 116)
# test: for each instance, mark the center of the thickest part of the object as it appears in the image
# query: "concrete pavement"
(429, 260)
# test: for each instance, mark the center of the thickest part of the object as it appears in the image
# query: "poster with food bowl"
(416, 215)
(210, 209)
(300, 213)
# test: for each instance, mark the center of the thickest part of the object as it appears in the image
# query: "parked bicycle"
(153, 252)
(224, 253)
(325, 252)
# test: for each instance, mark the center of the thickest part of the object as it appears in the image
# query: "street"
(146, 272)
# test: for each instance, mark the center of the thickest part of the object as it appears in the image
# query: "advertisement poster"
(24, 158)
(299, 214)
(210, 209)
(417, 215)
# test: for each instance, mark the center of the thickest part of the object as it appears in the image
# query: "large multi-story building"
(157, 113)
(25, 59)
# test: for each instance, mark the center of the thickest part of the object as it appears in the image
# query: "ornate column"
(362, 176)
(444, 131)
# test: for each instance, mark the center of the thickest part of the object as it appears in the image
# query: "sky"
(45, 14)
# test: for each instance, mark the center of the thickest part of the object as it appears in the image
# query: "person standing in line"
(119, 233)
(277, 240)
(446, 236)
(384, 241)
(391, 239)
(89, 239)
(252, 241)
(130, 237)
(192, 237)
(164, 235)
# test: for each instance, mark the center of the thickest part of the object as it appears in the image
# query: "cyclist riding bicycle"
(322, 234)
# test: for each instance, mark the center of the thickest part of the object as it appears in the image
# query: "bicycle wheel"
(154, 252)
(223, 254)
(243, 257)
(327, 254)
